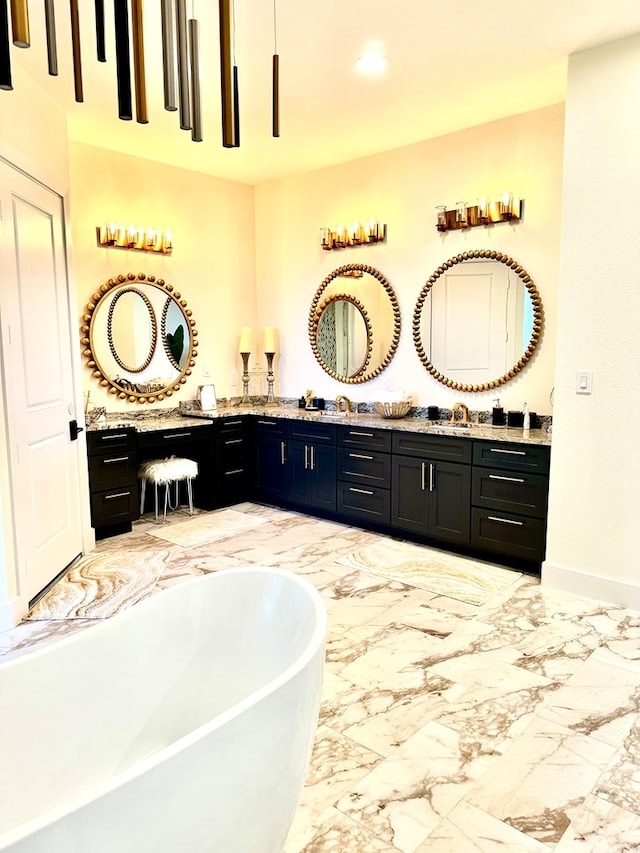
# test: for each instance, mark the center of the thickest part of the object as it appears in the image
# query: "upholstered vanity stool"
(164, 472)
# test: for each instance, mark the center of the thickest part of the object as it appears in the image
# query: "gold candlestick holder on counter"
(271, 399)
(246, 399)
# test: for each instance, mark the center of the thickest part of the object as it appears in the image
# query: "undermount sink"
(454, 427)
(337, 416)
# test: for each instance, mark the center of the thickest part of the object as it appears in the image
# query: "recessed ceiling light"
(371, 63)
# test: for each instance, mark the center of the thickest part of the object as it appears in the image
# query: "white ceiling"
(451, 65)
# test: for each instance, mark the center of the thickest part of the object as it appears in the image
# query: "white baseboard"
(591, 586)
(11, 612)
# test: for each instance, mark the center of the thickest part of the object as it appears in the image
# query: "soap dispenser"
(497, 416)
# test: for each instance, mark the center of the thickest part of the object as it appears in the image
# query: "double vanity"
(474, 489)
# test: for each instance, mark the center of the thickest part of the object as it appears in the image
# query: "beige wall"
(212, 265)
(402, 188)
(594, 500)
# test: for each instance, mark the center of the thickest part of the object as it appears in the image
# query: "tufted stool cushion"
(163, 472)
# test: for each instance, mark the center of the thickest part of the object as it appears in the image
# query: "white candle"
(245, 339)
(269, 339)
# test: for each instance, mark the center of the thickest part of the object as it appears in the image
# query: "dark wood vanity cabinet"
(431, 496)
(364, 474)
(192, 442)
(311, 463)
(271, 483)
(509, 497)
(113, 480)
(233, 457)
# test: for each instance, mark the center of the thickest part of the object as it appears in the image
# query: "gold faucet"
(465, 413)
(347, 403)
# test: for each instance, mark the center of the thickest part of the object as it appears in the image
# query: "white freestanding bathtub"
(181, 725)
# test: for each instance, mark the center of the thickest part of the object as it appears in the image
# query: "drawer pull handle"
(119, 495)
(509, 452)
(267, 423)
(361, 491)
(234, 441)
(113, 437)
(231, 423)
(506, 521)
(358, 474)
(360, 456)
(365, 434)
(235, 471)
(116, 459)
(506, 479)
(177, 435)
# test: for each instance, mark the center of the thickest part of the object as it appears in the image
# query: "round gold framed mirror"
(119, 335)
(354, 323)
(477, 321)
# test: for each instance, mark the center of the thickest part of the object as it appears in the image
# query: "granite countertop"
(143, 422)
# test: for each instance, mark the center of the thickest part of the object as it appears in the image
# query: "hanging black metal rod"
(5, 48)
(75, 46)
(169, 55)
(226, 76)
(184, 90)
(101, 50)
(123, 62)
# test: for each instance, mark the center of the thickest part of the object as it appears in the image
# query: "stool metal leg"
(143, 489)
(190, 494)
(157, 513)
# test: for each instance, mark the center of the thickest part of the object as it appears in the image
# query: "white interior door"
(37, 376)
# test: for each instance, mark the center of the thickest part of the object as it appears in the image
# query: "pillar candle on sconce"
(484, 212)
(354, 235)
(270, 348)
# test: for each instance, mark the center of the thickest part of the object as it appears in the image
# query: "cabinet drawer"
(510, 491)
(318, 433)
(111, 470)
(517, 457)
(114, 506)
(369, 468)
(366, 502)
(365, 438)
(440, 447)
(270, 426)
(106, 440)
(230, 426)
(506, 533)
(174, 441)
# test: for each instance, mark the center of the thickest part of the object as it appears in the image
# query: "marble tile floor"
(447, 727)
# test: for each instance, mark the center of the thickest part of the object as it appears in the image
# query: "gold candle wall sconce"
(132, 237)
(354, 235)
(484, 212)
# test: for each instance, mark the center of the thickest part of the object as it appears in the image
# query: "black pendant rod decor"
(169, 54)
(275, 80)
(5, 50)
(139, 76)
(194, 59)
(101, 50)
(50, 26)
(184, 90)
(75, 47)
(123, 63)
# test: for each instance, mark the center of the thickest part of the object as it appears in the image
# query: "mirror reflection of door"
(131, 329)
(477, 326)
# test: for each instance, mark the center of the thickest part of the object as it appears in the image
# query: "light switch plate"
(584, 382)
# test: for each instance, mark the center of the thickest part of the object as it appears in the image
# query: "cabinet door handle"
(306, 457)
(508, 452)
(113, 437)
(506, 479)
(313, 458)
(234, 441)
(283, 458)
(119, 495)
(361, 491)
(365, 434)
(423, 485)
(360, 456)
(177, 435)
(506, 521)
(431, 484)
(116, 459)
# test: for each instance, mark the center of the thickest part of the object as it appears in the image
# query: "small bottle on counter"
(497, 415)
